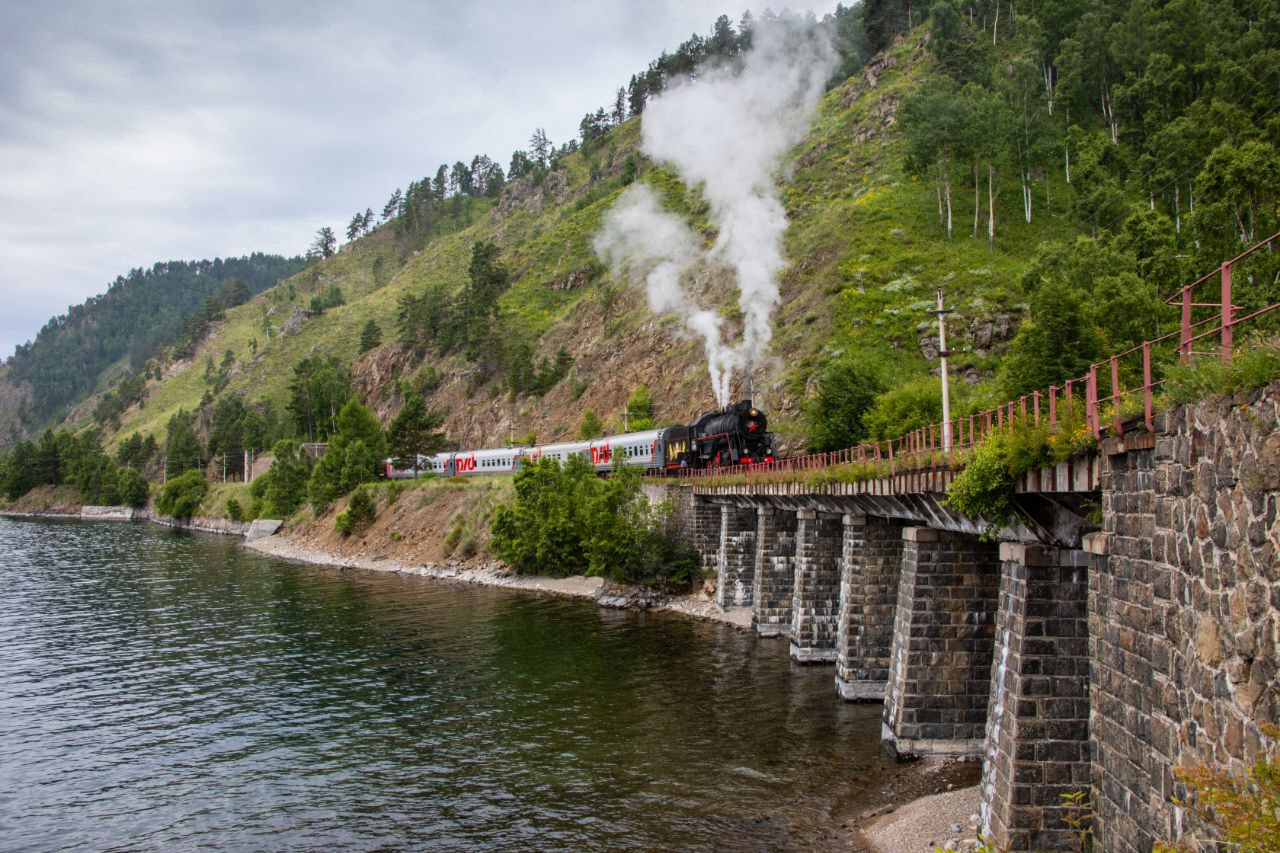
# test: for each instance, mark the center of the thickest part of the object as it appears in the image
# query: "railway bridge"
(1127, 624)
(1069, 652)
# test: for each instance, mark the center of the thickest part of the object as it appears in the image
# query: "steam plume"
(727, 132)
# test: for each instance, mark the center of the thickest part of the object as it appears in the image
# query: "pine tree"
(370, 337)
(182, 446)
(325, 244)
(540, 149)
(620, 106)
(414, 432)
(392, 207)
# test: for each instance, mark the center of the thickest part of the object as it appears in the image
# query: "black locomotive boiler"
(738, 434)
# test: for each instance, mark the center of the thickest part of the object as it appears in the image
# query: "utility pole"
(942, 354)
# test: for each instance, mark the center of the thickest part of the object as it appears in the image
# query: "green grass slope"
(866, 255)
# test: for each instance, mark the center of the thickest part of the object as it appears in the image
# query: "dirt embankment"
(426, 524)
(440, 530)
(50, 501)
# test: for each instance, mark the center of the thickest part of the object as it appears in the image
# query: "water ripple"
(162, 690)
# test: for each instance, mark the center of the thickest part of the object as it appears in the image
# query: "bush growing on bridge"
(984, 489)
(1255, 364)
(1245, 809)
(565, 521)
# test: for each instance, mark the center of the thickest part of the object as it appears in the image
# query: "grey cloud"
(139, 131)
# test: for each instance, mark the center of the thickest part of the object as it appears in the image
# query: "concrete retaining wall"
(108, 513)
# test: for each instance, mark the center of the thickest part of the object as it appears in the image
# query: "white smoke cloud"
(726, 132)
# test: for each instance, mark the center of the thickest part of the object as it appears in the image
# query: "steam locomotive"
(738, 434)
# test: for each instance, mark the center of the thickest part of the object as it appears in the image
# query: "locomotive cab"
(677, 451)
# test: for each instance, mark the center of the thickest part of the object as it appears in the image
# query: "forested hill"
(138, 316)
(1056, 167)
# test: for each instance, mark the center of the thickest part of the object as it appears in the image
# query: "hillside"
(118, 333)
(866, 248)
(848, 182)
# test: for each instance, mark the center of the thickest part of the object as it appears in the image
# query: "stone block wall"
(815, 604)
(870, 567)
(1184, 612)
(774, 584)
(1037, 737)
(940, 668)
(702, 526)
(736, 556)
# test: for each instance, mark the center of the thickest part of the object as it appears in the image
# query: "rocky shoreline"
(493, 573)
(496, 574)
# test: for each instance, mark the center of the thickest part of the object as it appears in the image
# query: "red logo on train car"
(466, 463)
(600, 455)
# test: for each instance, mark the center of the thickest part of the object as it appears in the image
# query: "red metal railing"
(1079, 399)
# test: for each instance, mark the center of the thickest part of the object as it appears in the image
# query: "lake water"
(162, 689)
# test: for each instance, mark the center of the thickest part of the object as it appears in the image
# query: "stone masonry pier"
(1071, 656)
(870, 569)
(815, 596)
(940, 669)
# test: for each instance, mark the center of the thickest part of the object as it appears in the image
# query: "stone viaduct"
(1069, 655)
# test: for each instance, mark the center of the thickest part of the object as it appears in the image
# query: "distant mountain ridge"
(119, 330)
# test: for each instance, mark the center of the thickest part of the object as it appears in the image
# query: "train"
(738, 434)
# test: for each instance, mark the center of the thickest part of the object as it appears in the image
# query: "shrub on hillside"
(847, 387)
(181, 496)
(590, 427)
(132, 487)
(363, 506)
(1057, 343)
(567, 521)
(361, 510)
(283, 488)
(911, 405)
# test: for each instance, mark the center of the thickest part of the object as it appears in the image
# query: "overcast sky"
(135, 131)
